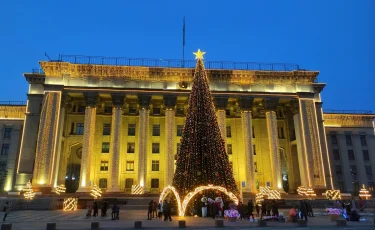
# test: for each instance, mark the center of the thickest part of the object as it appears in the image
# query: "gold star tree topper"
(199, 54)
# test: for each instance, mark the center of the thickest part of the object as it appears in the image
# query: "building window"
(154, 183)
(104, 166)
(132, 110)
(180, 129)
(363, 140)
(180, 111)
(79, 129)
(178, 148)
(155, 166)
(366, 156)
(156, 130)
(227, 112)
(129, 183)
(348, 139)
(5, 149)
(336, 154)
(341, 186)
(103, 183)
(129, 165)
(7, 132)
(131, 147)
(3, 166)
(281, 133)
(105, 147)
(108, 109)
(81, 109)
(280, 114)
(255, 167)
(156, 111)
(231, 165)
(155, 147)
(229, 149)
(131, 129)
(252, 129)
(353, 172)
(351, 155)
(368, 170)
(229, 131)
(338, 170)
(334, 139)
(254, 150)
(106, 129)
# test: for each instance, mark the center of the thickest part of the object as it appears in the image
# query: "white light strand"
(96, 192)
(28, 191)
(301, 190)
(266, 191)
(222, 124)
(170, 124)
(274, 149)
(364, 193)
(60, 189)
(115, 147)
(143, 139)
(70, 204)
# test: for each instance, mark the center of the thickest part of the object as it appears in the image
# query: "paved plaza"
(33, 220)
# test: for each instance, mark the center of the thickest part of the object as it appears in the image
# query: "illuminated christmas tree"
(202, 159)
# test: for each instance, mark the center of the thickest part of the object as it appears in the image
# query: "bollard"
(6, 227)
(262, 223)
(341, 223)
(95, 225)
(219, 223)
(182, 224)
(301, 223)
(51, 226)
(138, 224)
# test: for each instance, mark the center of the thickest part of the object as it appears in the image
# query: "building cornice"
(349, 120)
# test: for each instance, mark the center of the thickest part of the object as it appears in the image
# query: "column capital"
(221, 102)
(246, 103)
(118, 99)
(318, 104)
(91, 98)
(66, 101)
(294, 106)
(170, 101)
(144, 100)
(270, 103)
(306, 95)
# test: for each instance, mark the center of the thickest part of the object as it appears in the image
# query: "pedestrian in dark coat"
(96, 208)
(303, 209)
(250, 208)
(149, 212)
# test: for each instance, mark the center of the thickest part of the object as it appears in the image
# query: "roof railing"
(348, 111)
(13, 103)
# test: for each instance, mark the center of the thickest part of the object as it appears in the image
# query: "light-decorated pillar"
(144, 104)
(273, 142)
(246, 106)
(221, 103)
(115, 150)
(170, 103)
(311, 135)
(47, 145)
(88, 141)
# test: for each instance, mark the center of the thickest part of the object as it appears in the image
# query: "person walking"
(257, 209)
(167, 211)
(240, 209)
(149, 213)
(95, 208)
(303, 209)
(250, 208)
(6, 210)
(114, 212)
(160, 209)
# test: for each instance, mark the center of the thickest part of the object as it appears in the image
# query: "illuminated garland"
(96, 192)
(182, 207)
(70, 204)
(60, 189)
(271, 194)
(301, 190)
(310, 193)
(29, 193)
(333, 194)
(364, 193)
(259, 198)
(137, 189)
(274, 149)
(169, 133)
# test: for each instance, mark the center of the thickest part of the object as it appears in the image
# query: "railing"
(12, 103)
(348, 111)
(37, 71)
(173, 63)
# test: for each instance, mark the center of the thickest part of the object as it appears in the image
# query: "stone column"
(273, 142)
(221, 103)
(323, 143)
(311, 136)
(170, 103)
(88, 141)
(301, 152)
(47, 147)
(115, 150)
(246, 104)
(144, 104)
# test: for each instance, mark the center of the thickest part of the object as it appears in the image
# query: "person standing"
(303, 209)
(154, 209)
(250, 208)
(257, 209)
(240, 209)
(160, 209)
(115, 209)
(204, 206)
(95, 208)
(149, 212)
(6, 210)
(167, 211)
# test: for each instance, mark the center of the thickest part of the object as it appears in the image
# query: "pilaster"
(92, 99)
(117, 109)
(144, 103)
(221, 103)
(170, 103)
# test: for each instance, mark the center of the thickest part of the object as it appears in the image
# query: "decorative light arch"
(182, 207)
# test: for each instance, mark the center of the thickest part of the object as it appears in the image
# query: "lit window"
(131, 147)
(180, 129)
(155, 147)
(104, 166)
(106, 129)
(155, 165)
(5, 149)
(229, 149)
(79, 129)
(129, 165)
(105, 147)
(131, 129)
(229, 131)
(156, 130)
(103, 183)
(7, 133)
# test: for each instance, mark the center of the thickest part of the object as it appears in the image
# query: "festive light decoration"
(247, 133)
(143, 137)
(96, 192)
(169, 134)
(60, 189)
(70, 204)
(333, 194)
(115, 147)
(202, 158)
(199, 54)
(271, 194)
(137, 189)
(182, 207)
(259, 198)
(28, 191)
(364, 193)
(310, 193)
(301, 190)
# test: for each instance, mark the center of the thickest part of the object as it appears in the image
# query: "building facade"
(120, 125)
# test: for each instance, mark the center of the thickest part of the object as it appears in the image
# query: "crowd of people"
(157, 210)
(93, 210)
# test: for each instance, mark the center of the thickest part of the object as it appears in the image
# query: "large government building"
(117, 122)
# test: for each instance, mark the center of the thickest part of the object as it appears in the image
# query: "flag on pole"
(183, 33)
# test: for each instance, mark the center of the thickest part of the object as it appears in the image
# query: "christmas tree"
(202, 159)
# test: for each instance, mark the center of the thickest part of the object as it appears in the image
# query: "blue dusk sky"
(336, 38)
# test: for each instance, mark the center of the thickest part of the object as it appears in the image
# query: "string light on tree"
(96, 192)
(70, 204)
(29, 193)
(364, 193)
